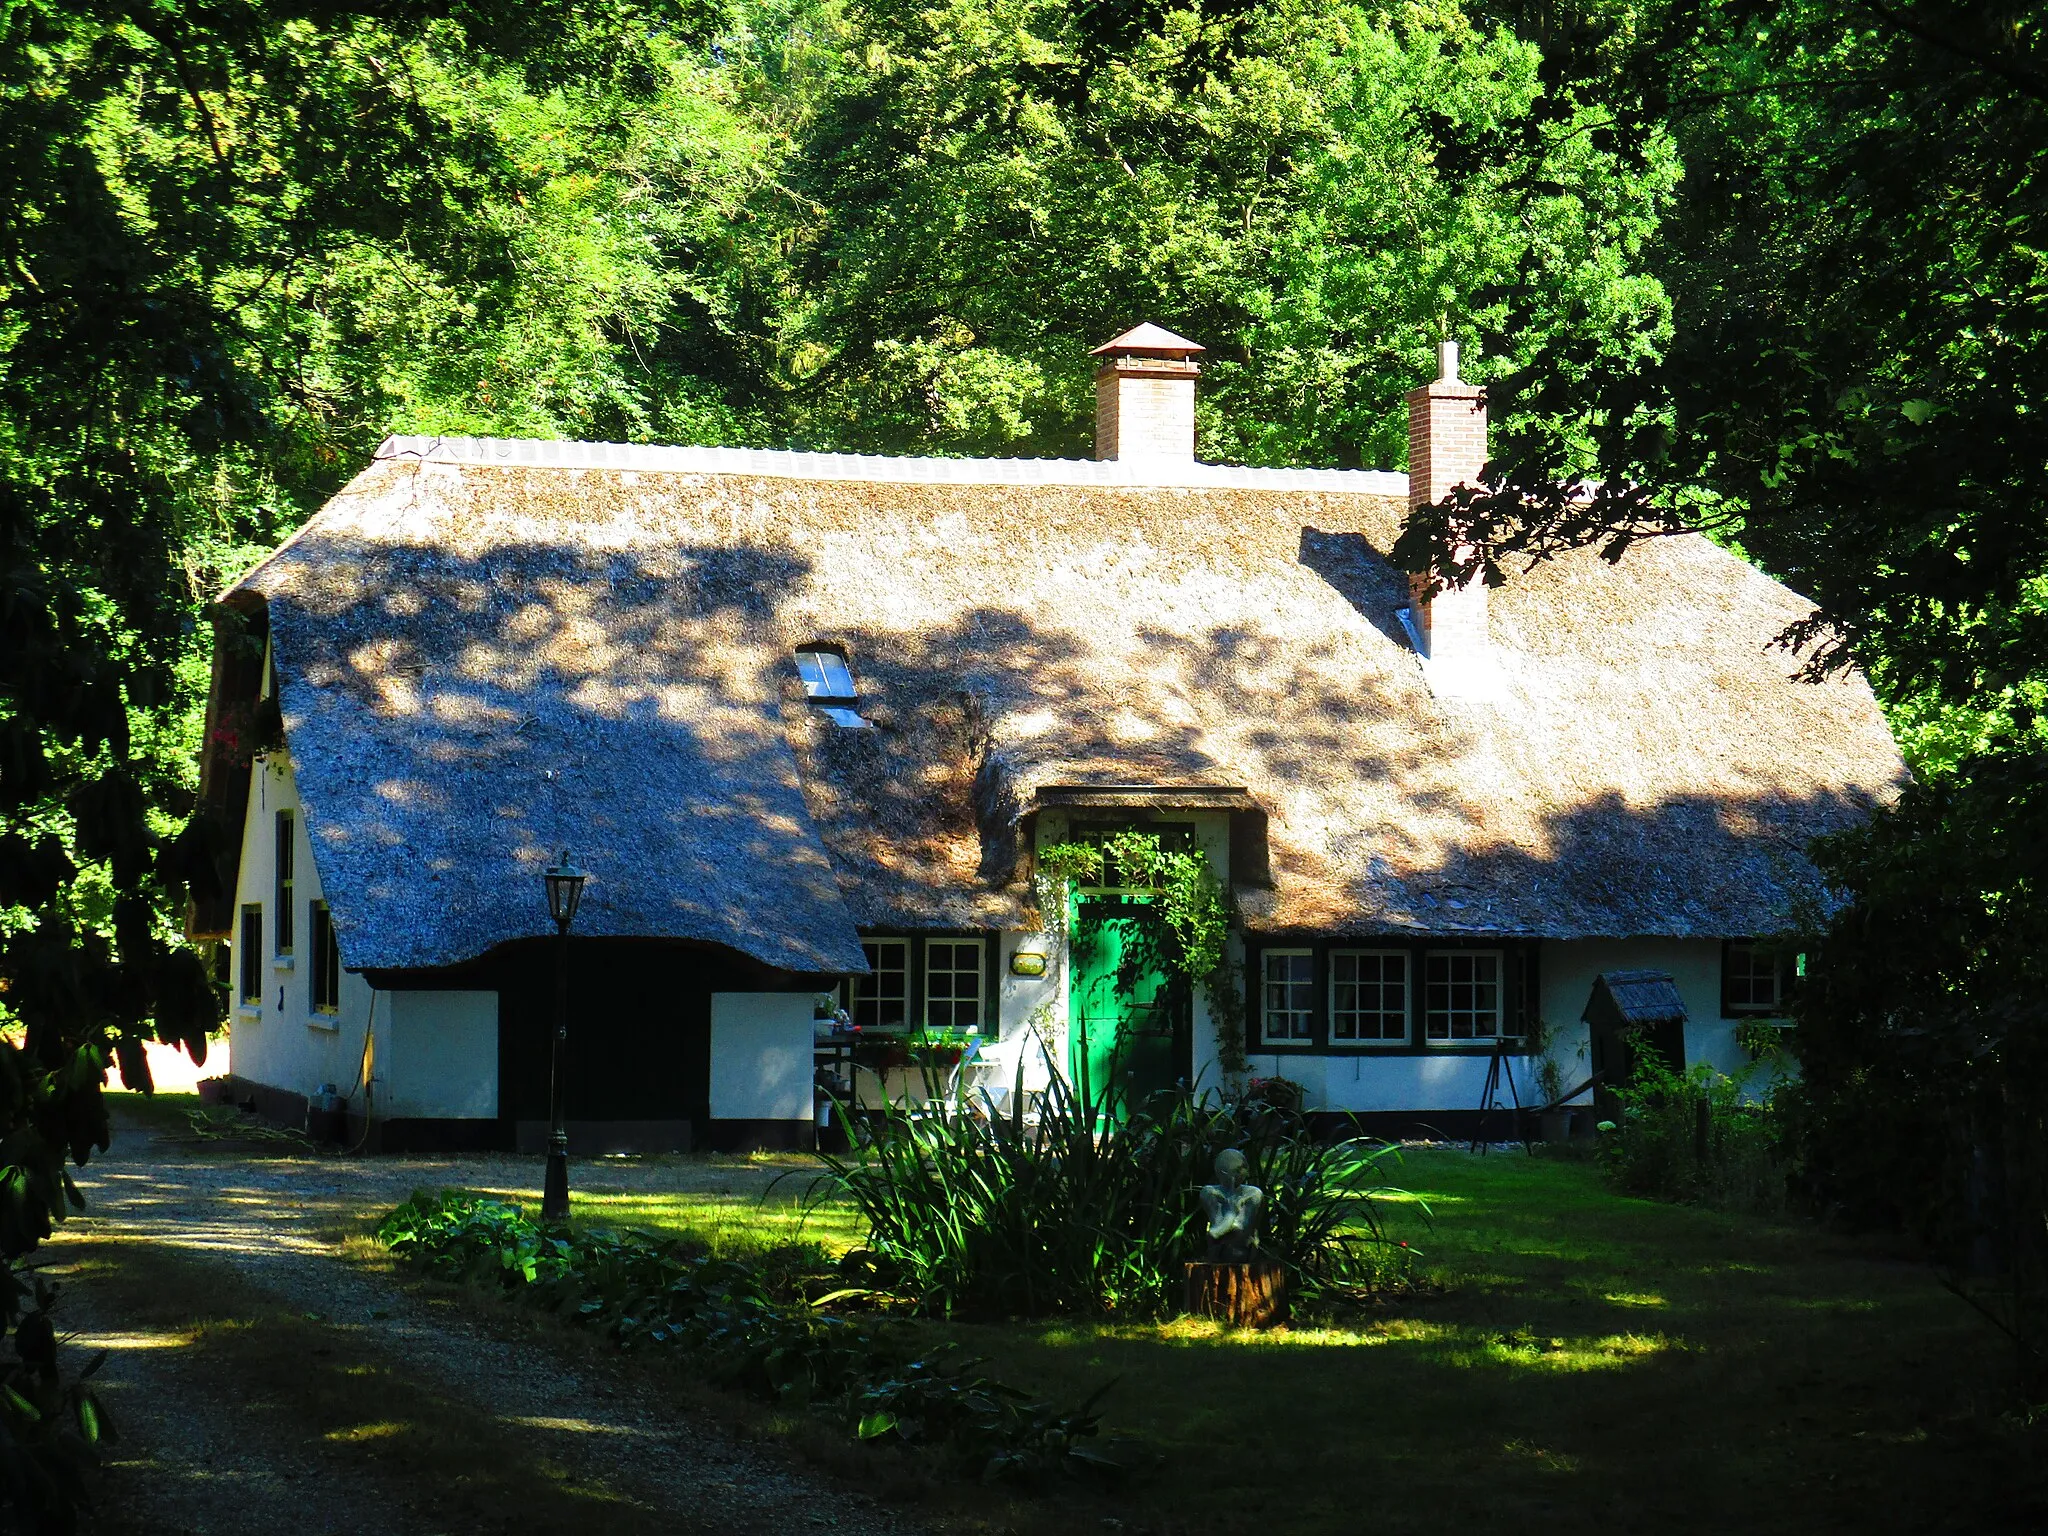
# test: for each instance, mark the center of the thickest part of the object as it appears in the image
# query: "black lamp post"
(565, 890)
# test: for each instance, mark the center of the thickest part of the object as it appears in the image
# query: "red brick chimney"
(1145, 397)
(1446, 449)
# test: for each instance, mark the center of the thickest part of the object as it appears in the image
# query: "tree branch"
(191, 85)
(2027, 82)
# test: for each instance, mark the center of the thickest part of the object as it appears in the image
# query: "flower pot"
(1556, 1124)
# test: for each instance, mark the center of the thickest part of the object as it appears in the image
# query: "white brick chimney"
(1446, 449)
(1145, 397)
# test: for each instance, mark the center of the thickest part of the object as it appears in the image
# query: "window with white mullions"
(1752, 979)
(880, 1000)
(1461, 995)
(952, 983)
(1369, 996)
(1287, 1003)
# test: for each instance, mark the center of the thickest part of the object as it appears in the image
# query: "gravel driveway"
(189, 1463)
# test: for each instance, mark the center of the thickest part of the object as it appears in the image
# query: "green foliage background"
(1769, 270)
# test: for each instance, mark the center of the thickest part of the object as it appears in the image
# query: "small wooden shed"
(1630, 1011)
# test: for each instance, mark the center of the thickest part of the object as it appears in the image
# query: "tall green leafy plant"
(1696, 1136)
(1069, 1212)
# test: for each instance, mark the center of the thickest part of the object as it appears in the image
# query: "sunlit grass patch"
(1539, 1457)
(382, 1429)
(1633, 1344)
(1529, 1381)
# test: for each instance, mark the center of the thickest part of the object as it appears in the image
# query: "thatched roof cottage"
(808, 718)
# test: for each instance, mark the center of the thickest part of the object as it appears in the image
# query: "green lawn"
(1647, 1366)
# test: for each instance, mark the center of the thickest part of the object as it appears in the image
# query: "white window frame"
(880, 947)
(249, 962)
(1304, 1016)
(1406, 1011)
(1756, 955)
(979, 947)
(1450, 1039)
(284, 862)
(323, 959)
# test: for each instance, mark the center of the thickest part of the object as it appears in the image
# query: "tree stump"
(1248, 1295)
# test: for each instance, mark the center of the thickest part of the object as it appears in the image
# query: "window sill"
(327, 1021)
(1455, 1048)
(250, 1012)
(281, 962)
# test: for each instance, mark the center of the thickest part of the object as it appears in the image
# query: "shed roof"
(1626, 999)
(490, 650)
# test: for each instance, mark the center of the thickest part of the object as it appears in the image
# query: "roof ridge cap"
(833, 464)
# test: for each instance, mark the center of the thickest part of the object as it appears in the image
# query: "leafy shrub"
(51, 1428)
(1693, 1136)
(970, 1211)
(644, 1291)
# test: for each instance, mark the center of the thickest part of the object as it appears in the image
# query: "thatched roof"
(467, 617)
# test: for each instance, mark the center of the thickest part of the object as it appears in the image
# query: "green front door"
(1130, 1027)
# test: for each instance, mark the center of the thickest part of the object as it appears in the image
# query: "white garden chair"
(991, 1076)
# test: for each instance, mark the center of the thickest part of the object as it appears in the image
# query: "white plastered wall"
(1569, 966)
(436, 1052)
(1365, 1082)
(437, 1056)
(761, 1055)
(1356, 1082)
(1212, 837)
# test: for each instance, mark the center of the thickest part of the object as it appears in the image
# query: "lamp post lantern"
(565, 890)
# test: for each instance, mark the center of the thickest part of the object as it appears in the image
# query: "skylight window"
(825, 674)
(828, 684)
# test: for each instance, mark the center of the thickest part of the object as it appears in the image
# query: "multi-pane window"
(1369, 996)
(952, 983)
(282, 934)
(1287, 1003)
(326, 977)
(881, 999)
(1461, 995)
(1749, 979)
(250, 946)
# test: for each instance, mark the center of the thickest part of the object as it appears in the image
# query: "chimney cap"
(1152, 340)
(1447, 363)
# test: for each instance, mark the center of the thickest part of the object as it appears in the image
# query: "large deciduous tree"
(237, 241)
(1858, 266)
(1000, 181)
